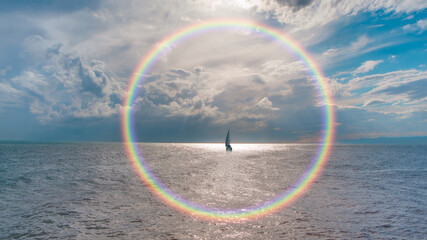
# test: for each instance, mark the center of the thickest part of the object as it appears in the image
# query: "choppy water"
(90, 191)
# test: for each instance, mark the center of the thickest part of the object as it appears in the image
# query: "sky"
(65, 66)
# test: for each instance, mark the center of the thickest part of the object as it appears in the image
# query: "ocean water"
(91, 191)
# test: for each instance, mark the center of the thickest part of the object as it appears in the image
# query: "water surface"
(90, 191)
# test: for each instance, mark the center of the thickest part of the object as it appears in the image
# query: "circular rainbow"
(284, 199)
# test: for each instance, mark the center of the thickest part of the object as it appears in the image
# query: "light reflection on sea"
(90, 191)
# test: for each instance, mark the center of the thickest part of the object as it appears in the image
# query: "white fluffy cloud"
(367, 66)
(265, 103)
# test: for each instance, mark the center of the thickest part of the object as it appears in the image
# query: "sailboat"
(227, 142)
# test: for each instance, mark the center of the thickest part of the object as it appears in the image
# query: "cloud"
(392, 58)
(194, 93)
(77, 63)
(68, 81)
(312, 14)
(265, 103)
(420, 26)
(57, 84)
(361, 45)
(9, 96)
(373, 102)
(384, 80)
(399, 93)
(178, 93)
(367, 66)
(376, 26)
(295, 4)
(128, 19)
(229, 96)
(414, 90)
(258, 79)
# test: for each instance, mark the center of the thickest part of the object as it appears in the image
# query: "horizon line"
(365, 141)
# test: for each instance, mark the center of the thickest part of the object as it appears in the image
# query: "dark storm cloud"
(88, 82)
(58, 85)
(415, 90)
(42, 6)
(258, 79)
(92, 80)
(295, 4)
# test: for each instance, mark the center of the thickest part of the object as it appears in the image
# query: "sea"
(92, 191)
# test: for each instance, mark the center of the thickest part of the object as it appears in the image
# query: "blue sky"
(65, 65)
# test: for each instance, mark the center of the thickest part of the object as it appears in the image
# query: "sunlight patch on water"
(242, 147)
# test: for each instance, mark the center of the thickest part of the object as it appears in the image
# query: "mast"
(227, 139)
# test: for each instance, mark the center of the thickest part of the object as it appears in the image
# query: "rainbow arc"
(283, 199)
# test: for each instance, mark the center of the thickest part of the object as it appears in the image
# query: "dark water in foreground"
(90, 191)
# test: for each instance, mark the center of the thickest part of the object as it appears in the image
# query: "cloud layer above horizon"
(66, 65)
